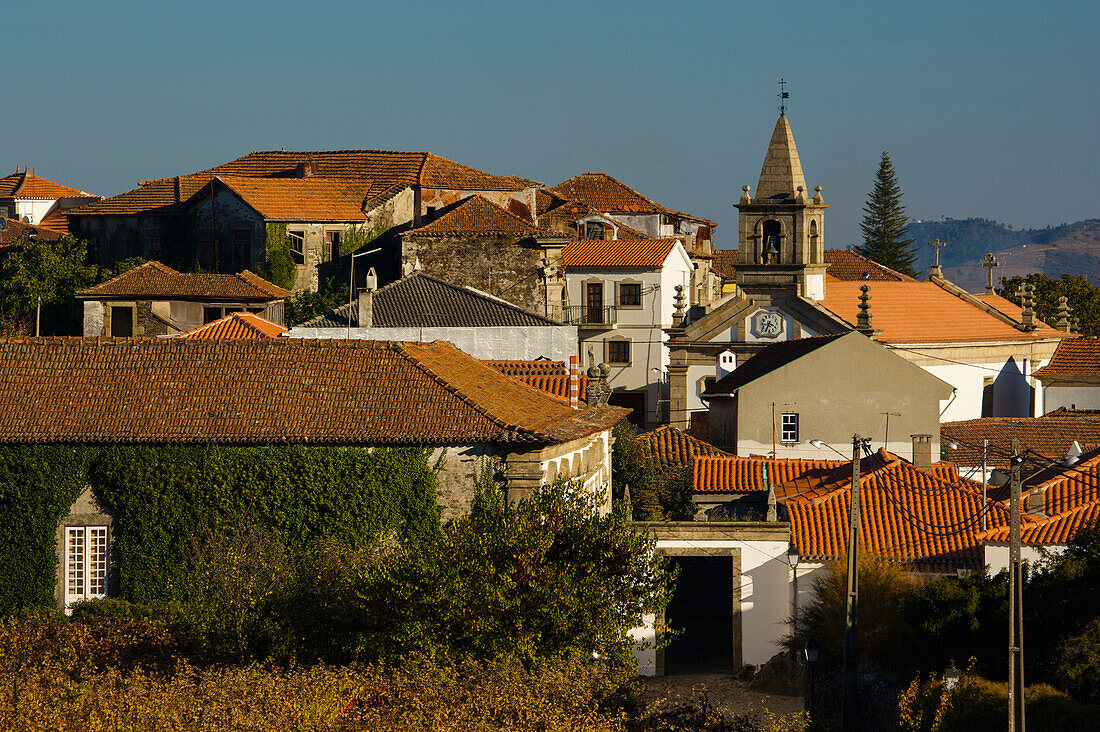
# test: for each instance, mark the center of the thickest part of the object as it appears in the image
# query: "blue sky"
(987, 109)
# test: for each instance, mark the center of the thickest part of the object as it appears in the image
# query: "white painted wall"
(1070, 397)
(1011, 388)
(555, 342)
(32, 209)
(765, 599)
(996, 555)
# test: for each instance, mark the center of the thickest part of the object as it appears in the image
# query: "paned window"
(297, 246)
(85, 563)
(618, 351)
(630, 294)
(789, 432)
(332, 245)
(594, 231)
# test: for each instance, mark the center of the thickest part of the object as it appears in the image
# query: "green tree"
(1082, 297)
(306, 305)
(885, 225)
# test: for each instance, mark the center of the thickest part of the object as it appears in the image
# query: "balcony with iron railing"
(592, 317)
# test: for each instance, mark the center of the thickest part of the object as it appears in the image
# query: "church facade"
(985, 347)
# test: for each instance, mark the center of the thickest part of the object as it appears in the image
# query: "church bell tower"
(781, 234)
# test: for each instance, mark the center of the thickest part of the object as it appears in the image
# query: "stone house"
(286, 391)
(421, 308)
(156, 300)
(982, 345)
(620, 295)
(825, 389)
(627, 207)
(315, 199)
(32, 199)
(477, 243)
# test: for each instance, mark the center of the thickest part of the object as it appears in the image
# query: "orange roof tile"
(671, 448)
(478, 215)
(154, 279)
(58, 218)
(234, 326)
(604, 193)
(549, 376)
(617, 253)
(152, 198)
(1050, 435)
(300, 199)
(272, 390)
(725, 263)
(739, 474)
(12, 230)
(1054, 530)
(1075, 359)
(847, 265)
(22, 184)
(922, 312)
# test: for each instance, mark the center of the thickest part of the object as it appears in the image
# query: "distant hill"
(1070, 248)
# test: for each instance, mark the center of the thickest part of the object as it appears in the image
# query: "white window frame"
(84, 564)
(788, 427)
(297, 241)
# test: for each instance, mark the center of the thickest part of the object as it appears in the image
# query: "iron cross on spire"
(989, 263)
(783, 94)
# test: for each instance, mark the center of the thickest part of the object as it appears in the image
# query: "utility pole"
(38, 317)
(985, 486)
(848, 709)
(1015, 602)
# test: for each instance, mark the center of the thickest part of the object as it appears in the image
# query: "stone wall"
(501, 266)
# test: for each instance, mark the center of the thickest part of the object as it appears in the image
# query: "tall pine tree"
(885, 224)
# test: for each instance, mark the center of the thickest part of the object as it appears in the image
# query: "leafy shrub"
(1079, 664)
(112, 610)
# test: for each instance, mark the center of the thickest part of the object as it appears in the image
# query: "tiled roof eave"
(261, 298)
(1023, 337)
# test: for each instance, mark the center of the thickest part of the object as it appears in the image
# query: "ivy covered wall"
(164, 496)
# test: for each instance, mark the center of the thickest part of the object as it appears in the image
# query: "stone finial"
(1063, 311)
(678, 314)
(818, 199)
(989, 263)
(863, 320)
(599, 391)
(745, 197)
(936, 270)
(1027, 299)
(1074, 324)
(800, 194)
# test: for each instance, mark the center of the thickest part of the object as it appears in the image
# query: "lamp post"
(821, 443)
(811, 652)
(792, 560)
(351, 283)
(950, 675)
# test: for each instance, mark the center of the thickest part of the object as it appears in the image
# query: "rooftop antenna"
(783, 94)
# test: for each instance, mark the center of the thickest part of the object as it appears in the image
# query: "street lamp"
(792, 561)
(811, 652)
(821, 443)
(351, 283)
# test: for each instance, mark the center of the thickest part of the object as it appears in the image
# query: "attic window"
(297, 246)
(594, 231)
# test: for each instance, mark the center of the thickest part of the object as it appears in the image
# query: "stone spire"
(1063, 311)
(782, 172)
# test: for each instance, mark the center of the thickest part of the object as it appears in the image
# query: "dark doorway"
(593, 302)
(702, 610)
(634, 400)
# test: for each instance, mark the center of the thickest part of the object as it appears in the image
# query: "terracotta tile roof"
(725, 263)
(300, 199)
(922, 312)
(272, 390)
(22, 184)
(58, 218)
(617, 253)
(1055, 530)
(565, 216)
(604, 193)
(12, 230)
(671, 448)
(849, 266)
(1050, 435)
(551, 377)
(739, 474)
(234, 326)
(770, 358)
(1075, 359)
(422, 301)
(156, 197)
(477, 215)
(157, 280)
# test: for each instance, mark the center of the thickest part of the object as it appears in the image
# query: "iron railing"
(589, 315)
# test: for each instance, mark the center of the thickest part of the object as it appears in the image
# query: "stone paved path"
(721, 691)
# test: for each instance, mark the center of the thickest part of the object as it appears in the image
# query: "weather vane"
(783, 94)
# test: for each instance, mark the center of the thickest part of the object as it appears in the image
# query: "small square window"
(630, 295)
(297, 246)
(789, 432)
(618, 352)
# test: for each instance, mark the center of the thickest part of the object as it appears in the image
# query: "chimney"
(574, 383)
(922, 451)
(366, 300)
(1035, 503)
